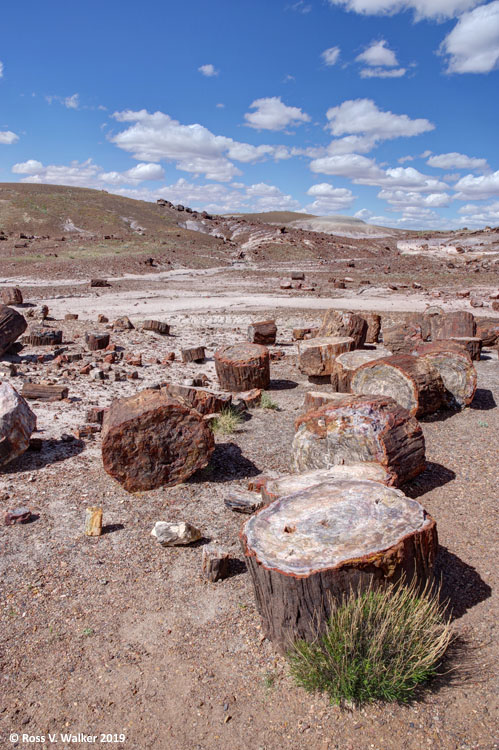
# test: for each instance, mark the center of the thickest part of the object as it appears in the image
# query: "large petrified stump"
(412, 381)
(455, 368)
(346, 364)
(316, 356)
(336, 323)
(17, 422)
(151, 439)
(273, 488)
(12, 325)
(401, 338)
(450, 324)
(241, 367)
(372, 429)
(308, 548)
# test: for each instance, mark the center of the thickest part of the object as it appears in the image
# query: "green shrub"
(379, 645)
(226, 422)
(267, 403)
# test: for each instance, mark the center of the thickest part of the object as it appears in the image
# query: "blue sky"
(382, 109)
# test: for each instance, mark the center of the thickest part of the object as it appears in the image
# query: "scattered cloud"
(353, 166)
(382, 72)
(329, 199)
(300, 7)
(220, 105)
(72, 102)
(208, 70)
(479, 215)
(473, 44)
(1, 69)
(85, 174)
(470, 187)
(436, 9)
(135, 175)
(288, 79)
(272, 114)
(378, 55)
(351, 144)
(401, 199)
(7, 137)
(363, 116)
(454, 160)
(330, 56)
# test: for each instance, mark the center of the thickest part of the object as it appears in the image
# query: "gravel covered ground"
(119, 635)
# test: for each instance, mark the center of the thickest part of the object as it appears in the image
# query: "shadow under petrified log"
(435, 475)
(461, 585)
(282, 385)
(52, 451)
(484, 400)
(226, 464)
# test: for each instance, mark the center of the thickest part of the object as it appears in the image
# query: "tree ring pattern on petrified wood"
(243, 366)
(317, 544)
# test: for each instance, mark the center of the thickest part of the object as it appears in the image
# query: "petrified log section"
(157, 326)
(401, 338)
(472, 345)
(241, 367)
(205, 402)
(273, 489)
(93, 521)
(12, 325)
(17, 422)
(487, 329)
(372, 429)
(411, 381)
(36, 392)
(193, 354)
(373, 321)
(336, 323)
(346, 364)
(316, 399)
(455, 368)
(150, 439)
(96, 341)
(262, 333)
(215, 563)
(316, 356)
(306, 549)
(12, 295)
(43, 337)
(99, 283)
(451, 324)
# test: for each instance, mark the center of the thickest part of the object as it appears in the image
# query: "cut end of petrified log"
(346, 364)
(273, 489)
(316, 356)
(243, 366)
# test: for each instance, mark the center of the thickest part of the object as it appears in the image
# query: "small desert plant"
(267, 403)
(379, 645)
(226, 422)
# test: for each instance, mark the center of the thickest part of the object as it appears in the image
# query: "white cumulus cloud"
(208, 70)
(272, 114)
(377, 55)
(473, 44)
(438, 9)
(455, 160)
(329, 199)
(363, 116)
(401, 199)
(353, 166)
(477, 188)
(383, 72)
(7, 137)
(330, 56)
(85, 174)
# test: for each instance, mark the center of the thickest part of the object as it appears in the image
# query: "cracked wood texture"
(151, 440)
(203, 401)
(455, 368)
(264, 332)
(241, 367)
(273, 488)
(412, 381)
(346, 364)
(316, 356)
(450, 324)
(337, 323)
(316, 545)
(12, 325)
(372, 429)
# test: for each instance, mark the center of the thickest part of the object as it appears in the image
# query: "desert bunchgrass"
(226, 422)
(380, 644)
(267, 403)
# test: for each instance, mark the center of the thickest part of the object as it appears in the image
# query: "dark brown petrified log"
(43, 337)
(262, 333)
(412, 381)
(96, 341)
(274, 488)
(400, 338)
(194, 354)
(12, 295)
(307, 549)
(471, 344)
(316, 356)
(451, 324)
(12, 325)
(157, 326)
(487, 329)
(372, 429)
(36, 392)
(456, 370)
(241, 367)
(346, 364)
(151, 439)
(215, 563)
(373, 321)
(316, 399)
(205, 402)
(337, 323)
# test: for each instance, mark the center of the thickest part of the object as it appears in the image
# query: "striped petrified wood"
(400, 338)
(316, 356)
(337, 323)
(346, 364)
(12, 325)
(412, 381)
(472, 344)
(241, 367)
(450, 324)
(307, 549)
(316, 399)
(372, 429)
(263, 332)
(12, 295)
(456, 370)
(205, 402)
(43, 337)
(373, 321)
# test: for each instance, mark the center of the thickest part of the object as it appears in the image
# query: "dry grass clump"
(379, 645)
(226, 422)
(266, 402)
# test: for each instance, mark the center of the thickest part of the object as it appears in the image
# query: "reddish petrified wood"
(372, 429)
(43, 337)
(316, 399)
(307, 549)
(157, 326)
(194, 354)
(38, 392)
(96, 341)
(12, 325)
(346, 364)
(262, 333)
(400, 338)
(373, 321)
(451, 324)
(412, 381)
(241, 367)
(151, 439)
(273, 488)
(456, 370)
(316, 356)
(205, 402)
(471, 344)
(487, 329)
(12, 295)
(336, 323)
